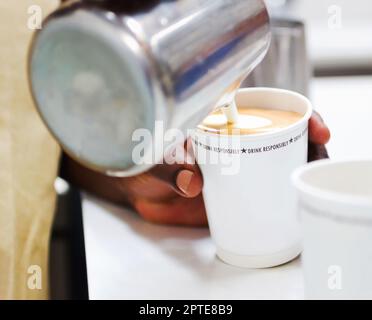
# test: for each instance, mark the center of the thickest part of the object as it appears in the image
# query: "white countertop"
(128, 258)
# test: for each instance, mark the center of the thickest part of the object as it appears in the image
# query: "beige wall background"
(28, 163)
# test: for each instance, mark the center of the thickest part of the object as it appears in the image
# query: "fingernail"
(183, 180)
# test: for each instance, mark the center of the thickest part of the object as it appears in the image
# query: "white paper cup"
(335, 203)
(249, 200)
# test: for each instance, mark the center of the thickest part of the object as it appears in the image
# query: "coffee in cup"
(251, 120)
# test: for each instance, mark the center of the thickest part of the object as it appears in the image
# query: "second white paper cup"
(249, 200)
(335, 202)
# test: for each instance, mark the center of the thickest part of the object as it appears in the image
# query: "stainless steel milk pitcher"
(99, 70)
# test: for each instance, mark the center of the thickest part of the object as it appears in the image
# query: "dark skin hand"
(169, 194)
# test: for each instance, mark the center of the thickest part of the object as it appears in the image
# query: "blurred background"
(338, 33)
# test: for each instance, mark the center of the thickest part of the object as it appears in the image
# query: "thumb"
(183, 176)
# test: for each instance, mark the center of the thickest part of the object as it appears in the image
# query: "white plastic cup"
(335, 203)
(249, 199)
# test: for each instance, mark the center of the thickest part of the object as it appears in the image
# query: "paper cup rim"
(256, 136)
(327, 196)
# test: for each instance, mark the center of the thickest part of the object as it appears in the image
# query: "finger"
(179, 211)
(190, 183)
(317, 152)
(184, 176)
(318, 130)
(185, 181)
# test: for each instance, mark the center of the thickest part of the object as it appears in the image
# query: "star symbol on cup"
(291, 140)
(244, 150)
